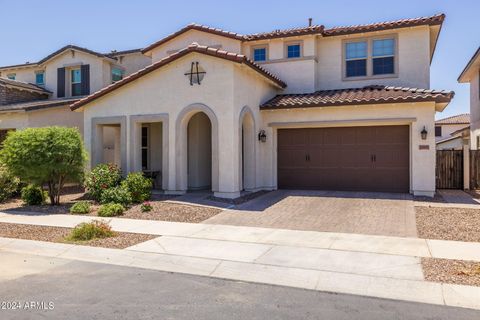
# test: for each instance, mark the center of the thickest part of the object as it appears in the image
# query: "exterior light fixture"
(424, 133)
(262, 136)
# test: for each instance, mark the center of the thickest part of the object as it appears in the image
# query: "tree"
(45, 156)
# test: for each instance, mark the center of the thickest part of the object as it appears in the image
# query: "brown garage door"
(350, 158)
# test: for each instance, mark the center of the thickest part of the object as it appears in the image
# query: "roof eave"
(462, 78)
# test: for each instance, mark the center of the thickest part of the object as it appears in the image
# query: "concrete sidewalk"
(259, 272)
(412, 247)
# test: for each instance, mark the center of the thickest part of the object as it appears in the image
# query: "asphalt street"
(80, 290)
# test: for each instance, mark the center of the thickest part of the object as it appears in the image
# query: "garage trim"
(342, 123)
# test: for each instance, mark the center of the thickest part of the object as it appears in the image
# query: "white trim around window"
(369, 41)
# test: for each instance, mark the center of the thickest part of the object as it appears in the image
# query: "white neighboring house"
(471, 75)
(453, 132)
(344, 108)
(39, 94)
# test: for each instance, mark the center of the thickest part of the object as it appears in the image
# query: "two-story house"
(471, 75)
(39, 94)
(344, 108)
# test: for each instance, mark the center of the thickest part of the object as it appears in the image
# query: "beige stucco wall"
(17, 120)
(447, 130)
(454, 144)
(422, 162)
(413, 60)
(25, 74)
(133, 62)
(191, 36)
(475, 109)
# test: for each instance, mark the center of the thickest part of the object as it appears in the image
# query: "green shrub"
(81, 207)
(111, 210)
(146, 207)
(45, 156)
(91, 230)
(8, 184)
(101, 178)
(140, 187)
(33, 195)
(116, 195)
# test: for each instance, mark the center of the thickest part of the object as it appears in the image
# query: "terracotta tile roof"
(316, 29)
(469, 64)
(37, 105)
(356, 96)
(194, 47)
(403, 23)
(463, 118)
(23, 85)
(115, 53)
(57, 52)
(199, 27)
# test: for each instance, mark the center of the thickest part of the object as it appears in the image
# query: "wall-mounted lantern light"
(424, 133)
(262, 136)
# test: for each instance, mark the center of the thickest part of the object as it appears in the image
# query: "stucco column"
(229, 159)
(466, 167)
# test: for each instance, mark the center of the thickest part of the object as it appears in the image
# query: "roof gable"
(474, 61)
(233, 57)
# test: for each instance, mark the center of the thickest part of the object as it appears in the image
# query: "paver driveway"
(330, 211)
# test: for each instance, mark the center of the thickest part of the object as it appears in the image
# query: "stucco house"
(39, 94)
(471, 75)
(452, 133)
(343, 108)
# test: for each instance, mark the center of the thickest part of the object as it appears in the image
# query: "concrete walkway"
(373, 213)
(401, 246)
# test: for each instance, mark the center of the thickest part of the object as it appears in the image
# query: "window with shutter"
(61, 82)
(85, 75)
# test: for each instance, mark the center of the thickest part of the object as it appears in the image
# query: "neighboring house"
(451, 132)
(39, 94)
(471, 75)
(345, 108)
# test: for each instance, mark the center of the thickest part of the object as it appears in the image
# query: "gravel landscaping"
(162, 209)
(122, 240)
(451, 271)
(448, 223)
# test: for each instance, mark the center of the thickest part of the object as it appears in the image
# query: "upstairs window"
(117, 74)
(383, 56)
(260, 54)
(293, 50)
(76, 80)
(438, 131)
(40, 78)
(356, 59)
(11, 76)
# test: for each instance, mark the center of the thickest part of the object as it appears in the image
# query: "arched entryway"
(199, 152)
(247, 150)
(197, 149)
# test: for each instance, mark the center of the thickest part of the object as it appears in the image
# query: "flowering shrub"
(101, 178)
(140, 187)
(146, 207)
(91, 230)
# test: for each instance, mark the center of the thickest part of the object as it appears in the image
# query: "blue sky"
(33, 29)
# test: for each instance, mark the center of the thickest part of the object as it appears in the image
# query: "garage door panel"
(351, 158)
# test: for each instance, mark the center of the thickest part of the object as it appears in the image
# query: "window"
(356, 59)
(438, 131)
(145, 143)
(260, 54)
(11, 76)
(40, 78)
(117, 74)
(293, 51)
(76, 79)
(383, 56)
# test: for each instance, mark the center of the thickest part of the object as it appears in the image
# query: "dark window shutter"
(61, 82)
(85, 70)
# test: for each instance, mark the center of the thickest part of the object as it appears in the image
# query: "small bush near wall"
(118, 195)
(91, 230)
(101, 178)
(139, 186)
(33, 195)
(9, 184)
(81, 207)
(48, 156)
(111, 210)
